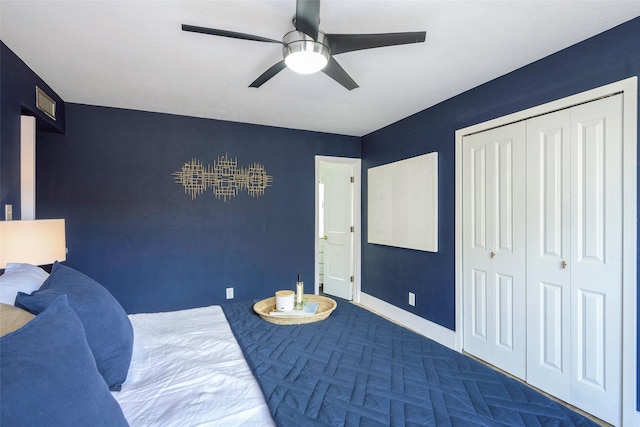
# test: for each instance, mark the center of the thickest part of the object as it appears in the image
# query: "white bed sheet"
(187, 369)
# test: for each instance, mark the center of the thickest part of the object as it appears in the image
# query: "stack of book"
(308, 309)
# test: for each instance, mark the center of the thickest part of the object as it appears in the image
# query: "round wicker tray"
(266, 306)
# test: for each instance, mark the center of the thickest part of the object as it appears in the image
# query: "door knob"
(324, 238)
(564, 264)
(493, 254)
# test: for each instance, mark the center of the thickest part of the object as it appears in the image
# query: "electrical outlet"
(229, 293)
(412, 299)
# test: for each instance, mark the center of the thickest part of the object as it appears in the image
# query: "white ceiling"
(133, 54)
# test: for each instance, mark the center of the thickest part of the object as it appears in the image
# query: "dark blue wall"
(18, 96)
(390, 273)
(133, 228)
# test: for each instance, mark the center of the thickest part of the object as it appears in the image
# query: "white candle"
(284, 300)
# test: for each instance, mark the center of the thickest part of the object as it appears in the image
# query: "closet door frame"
(629, 90)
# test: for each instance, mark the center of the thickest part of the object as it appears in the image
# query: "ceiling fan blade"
(308, 17)
(264, 77)
(225, 33)
(341, 43)
(337, 73)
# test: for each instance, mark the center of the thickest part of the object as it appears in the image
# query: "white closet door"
(574, 256)
(596, 257)
(494, 247)
(548, 252)
(476, 245)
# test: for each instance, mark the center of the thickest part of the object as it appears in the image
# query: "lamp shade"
(37, 242)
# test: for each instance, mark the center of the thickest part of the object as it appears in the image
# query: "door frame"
(629, 89)
(27, 167)
(357, 203)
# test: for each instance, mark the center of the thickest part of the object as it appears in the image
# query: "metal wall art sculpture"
(223, 177)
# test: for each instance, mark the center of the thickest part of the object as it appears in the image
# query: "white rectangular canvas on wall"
(403, 203)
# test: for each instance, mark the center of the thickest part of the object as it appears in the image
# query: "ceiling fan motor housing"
(303, 54)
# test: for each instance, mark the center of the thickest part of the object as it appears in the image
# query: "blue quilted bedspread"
(358, 369)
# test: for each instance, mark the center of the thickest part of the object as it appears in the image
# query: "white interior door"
(477, 246)
(494, 247)
(596, 257)
(548, 252)
(574, 256)
(339, 229)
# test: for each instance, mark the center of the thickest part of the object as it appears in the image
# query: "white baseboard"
(409, 320)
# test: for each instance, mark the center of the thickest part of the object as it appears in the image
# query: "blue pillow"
(107, 327)
(49, 376)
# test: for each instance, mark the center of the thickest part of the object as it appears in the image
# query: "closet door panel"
(503, 200)
(548, 235)
(551, 341)
(589, 174)
(591, 324)
(508, 245)
(505, 308)
(479, 299)
(596, 264)
(552, 152)
(477, 233)
(479, 198)
(493, 245)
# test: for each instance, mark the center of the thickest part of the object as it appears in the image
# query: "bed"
(78, 362)
(359, 369)
(187, 370)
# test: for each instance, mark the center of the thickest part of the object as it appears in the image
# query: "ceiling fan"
(307, 50)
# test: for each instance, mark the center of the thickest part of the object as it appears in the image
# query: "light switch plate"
(8, 212)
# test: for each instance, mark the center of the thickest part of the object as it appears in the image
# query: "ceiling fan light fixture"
(304, 55)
